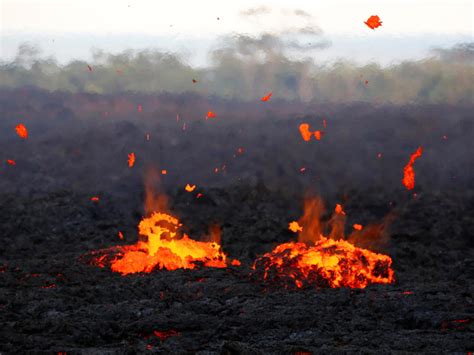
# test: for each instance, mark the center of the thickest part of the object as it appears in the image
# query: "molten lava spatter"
(408, 171)
(319, 261)
(162, 249)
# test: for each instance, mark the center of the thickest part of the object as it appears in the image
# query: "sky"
(64, 28)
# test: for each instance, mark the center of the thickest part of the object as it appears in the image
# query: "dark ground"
(52, 300)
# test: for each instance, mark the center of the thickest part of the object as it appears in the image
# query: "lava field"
(72, 194)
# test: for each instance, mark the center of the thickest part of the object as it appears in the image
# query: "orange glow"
(408, 171)
(162, 249)
(317, 260)
(95, 198)
(295, 227)
(357, 227)
(339, 209)
(164, 172)
(11, 162)
(21, 131)
(161, 244)
(307, 134)
(373, 22)
(210, 114)
(189, 188)
(120, 235)
(267, 97)
(131, 160)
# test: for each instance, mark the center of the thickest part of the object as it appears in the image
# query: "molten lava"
(163, 250)
(21, 131)
(373, 22)
(162, 246)
(131, 160)
(322, 261)
(408, 171)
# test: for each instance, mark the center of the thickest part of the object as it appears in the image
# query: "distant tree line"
(247, 70)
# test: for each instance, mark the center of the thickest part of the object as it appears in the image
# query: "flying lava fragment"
(295, 227)
(95, 199)
(408, 171)
(131, 160)
(357, 227)
(210, 114)
(11, 162)
(190, 188)
(89, 67)
(120, 235)
(307, 134)
(267, 97)
(373, 22)
(21, 131)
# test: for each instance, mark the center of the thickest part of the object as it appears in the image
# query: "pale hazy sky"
(68, 29)
(200, 17)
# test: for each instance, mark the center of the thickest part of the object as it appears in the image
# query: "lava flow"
(323, 261)
(162, 247)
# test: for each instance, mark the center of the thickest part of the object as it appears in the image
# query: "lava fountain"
(320, 260)
(161, 246)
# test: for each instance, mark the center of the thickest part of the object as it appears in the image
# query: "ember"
(373, 22)
(409, 172)
(131, 160)
(21, 131)
(320, 261)
(189, 188)
(267, 97)
(307, 134)
(210, 114)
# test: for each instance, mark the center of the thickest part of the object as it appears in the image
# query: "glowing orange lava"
(210, 114)
(373, 22)
(190, 188)
(306, 134)
(163, 250)
(267, 97)
(161, 244)
(408, 171)
(21, 131)
(131, 160)
(317, 260)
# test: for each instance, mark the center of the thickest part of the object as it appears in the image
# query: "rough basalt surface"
(52, 300)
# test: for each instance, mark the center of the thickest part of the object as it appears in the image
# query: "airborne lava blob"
(322, 261)
(408, 171)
